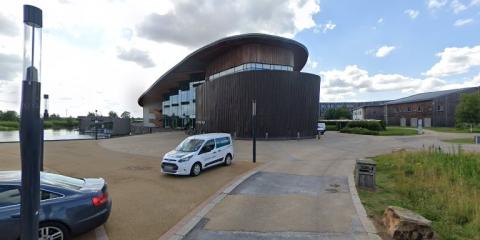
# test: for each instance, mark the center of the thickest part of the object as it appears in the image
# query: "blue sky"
(363, 49)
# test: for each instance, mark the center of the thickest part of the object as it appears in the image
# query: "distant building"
(369, 112)
(114, 126)
(435, 109)
(324, 106)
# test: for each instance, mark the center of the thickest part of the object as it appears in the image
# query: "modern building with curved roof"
(213, 88)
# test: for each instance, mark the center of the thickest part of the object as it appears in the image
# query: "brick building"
(369, 112)
(434, 109)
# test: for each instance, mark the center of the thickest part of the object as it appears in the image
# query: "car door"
(9, 212)
(222, 144)
(207, 153)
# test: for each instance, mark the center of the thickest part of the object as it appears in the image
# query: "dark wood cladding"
(260, 53)
(287, 104)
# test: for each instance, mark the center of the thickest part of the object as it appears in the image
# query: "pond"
(50, 134)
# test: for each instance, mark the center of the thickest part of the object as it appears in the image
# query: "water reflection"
(50, 134)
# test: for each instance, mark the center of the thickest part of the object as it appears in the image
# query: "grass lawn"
(460, 140)
(398, 131)
(444, 188)
(454, 130)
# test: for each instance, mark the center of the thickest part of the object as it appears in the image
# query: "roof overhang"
(197, 61)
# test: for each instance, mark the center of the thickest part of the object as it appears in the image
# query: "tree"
(91, 114)
(112, 114)
(468, 110)
(125, 114)
(338, 113)
(8, 116)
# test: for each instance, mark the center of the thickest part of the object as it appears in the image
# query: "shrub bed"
(359, 130)
(370, 125)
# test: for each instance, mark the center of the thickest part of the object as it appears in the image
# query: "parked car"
(68, 206)
(321, 128)
(198, 152)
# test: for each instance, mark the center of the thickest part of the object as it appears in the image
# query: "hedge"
(359, 130)
(370, 125)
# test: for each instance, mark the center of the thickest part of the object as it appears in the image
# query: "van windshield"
(190, 145)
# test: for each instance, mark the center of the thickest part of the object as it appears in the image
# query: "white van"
(198, 152)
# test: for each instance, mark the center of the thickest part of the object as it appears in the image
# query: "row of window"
(417, 109)
(251, 67)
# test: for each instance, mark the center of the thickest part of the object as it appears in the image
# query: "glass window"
(224, 141)
(45, 195)
(238, 68)
(190, 145)
(9, 195)
(62, 181)
(258, 66)
(209, 146)
(277, 67)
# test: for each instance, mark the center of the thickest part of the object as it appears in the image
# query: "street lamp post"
(30, 123)
(254, 136)
(96, 123)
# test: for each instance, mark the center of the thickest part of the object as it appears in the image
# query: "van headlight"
(185, 159)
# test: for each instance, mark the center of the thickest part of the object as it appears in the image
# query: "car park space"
(146, 203)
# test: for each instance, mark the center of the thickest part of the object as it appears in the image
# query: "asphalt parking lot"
(146, 203)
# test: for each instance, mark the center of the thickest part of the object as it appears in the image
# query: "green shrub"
(370, 125)
(332, 128)
(9, 124)
(359, 130)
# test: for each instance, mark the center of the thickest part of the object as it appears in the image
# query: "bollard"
(298, 135)
(266, 135)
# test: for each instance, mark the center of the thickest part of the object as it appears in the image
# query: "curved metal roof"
(197, 61)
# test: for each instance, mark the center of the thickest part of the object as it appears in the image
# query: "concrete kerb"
(185, 225)
(362, 214)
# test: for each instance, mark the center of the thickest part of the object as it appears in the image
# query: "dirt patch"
(146, 203)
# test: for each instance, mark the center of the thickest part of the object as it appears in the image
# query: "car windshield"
(62, 181)
(190, 145)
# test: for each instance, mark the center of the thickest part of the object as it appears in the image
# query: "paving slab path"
(303, 192)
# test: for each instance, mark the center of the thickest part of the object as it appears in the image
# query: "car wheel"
(228, 160)
(196, 169)
(53, 231)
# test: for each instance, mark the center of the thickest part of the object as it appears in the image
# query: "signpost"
(30, 123)
(254, 137)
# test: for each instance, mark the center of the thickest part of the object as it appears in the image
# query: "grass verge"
(56, 124)
(460, 140)
(398, 131)
(443, 187)
(454, 130)
(390, 131)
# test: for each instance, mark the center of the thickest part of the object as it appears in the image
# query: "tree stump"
(404, 224)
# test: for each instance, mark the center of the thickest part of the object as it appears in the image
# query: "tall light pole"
(254, 136)
(30, 123)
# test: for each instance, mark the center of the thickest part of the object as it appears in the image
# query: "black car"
(69, 206)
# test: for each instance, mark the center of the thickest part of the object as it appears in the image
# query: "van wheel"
(228, 160)
(196, 169)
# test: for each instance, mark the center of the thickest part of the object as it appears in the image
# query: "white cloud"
(137, 56)
(412, 13)
(341, 85)
(432, 4)
(475, 3)
(384, 51)
(312, 64)
(380, 20)
(81, 66)
(454, 61)
(194, 23)
(457, 6)
(325, 27)
(463, 22)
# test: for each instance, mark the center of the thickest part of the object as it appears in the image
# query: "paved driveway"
(303, 191)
